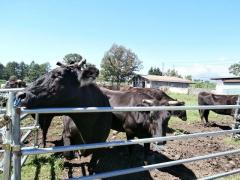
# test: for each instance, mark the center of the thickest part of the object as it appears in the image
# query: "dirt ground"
(119, 158)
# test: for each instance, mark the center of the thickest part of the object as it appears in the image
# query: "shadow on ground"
(118, 158)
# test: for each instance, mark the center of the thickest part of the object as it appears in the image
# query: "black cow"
(135, 124)
(162, 97)
(70, 86)
(206, 98)
(144, 124)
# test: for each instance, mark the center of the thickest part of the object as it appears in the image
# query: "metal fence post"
(35, 143)
(236, 117)
(16, 147)
(7, 141)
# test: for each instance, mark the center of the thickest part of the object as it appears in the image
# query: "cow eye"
(57, 74)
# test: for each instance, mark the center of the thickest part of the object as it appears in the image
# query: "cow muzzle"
(21, 99)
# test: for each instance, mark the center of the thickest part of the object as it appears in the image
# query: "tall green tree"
(189, 77)
(235, 69)
(12, 69)
(23, 70)
(36, 70)
(72, 58)
(119, 64)
(155, 71)
(172, 72)
(2, 71)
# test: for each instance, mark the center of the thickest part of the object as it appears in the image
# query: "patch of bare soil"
(119, 158)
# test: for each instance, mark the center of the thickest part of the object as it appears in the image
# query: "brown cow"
(206, 98)
(144, 124)
(162, 97)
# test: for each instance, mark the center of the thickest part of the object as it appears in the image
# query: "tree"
(2, 68)
(155, 71)
(172, 72)
(119, 64)
(12, 69)
(23, 70)
(189, 77)
(235, 69)
(36, 70)
(72, 58)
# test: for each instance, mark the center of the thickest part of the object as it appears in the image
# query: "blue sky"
(201, 38)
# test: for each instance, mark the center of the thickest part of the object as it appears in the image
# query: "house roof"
(228, 79)
(166, 79)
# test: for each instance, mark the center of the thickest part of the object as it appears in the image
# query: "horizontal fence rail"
(236, 171)
(31, 150)
(30, 128)
(156, 166)
(122, 109)
(11, 89)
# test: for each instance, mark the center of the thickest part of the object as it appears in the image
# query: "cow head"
(156, 122)
(182, 114)
(57, 87)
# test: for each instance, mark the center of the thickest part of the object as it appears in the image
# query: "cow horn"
(148, 101)
(81, 63)
(172, 102)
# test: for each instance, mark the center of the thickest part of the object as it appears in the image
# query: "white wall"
(228, 88)
(178, 90)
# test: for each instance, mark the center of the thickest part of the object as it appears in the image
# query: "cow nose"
(21, 95)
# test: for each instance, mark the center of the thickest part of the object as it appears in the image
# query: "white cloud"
(202, 71)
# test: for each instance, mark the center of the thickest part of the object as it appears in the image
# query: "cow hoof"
(69, 155)
(207, 124)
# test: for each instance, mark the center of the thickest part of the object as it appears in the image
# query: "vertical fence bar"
(16, 148)
(236, 117)
(7, 152)
(35, 143)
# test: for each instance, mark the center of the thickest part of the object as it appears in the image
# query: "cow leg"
(130, 147)
(67, 137)
(44, 122)
(146, 149)
(206, 113)
(67, 142)
(201, 113)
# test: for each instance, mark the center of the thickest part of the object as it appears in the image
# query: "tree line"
(23, 71)
(119, 64)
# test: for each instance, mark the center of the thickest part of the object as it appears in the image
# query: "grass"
(43, 167)
(2, 81)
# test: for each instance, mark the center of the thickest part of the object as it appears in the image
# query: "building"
(227, 85)
(173, 84)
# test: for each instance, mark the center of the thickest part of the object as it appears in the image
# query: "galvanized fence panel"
(17, 161)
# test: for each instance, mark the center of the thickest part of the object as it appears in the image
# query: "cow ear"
(90, 72)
